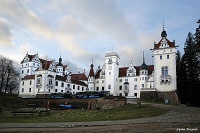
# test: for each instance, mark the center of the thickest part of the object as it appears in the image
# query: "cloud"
(28, 19)
(5, 33)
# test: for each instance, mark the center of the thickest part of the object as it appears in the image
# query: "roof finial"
(60, 54)
(163, 25)
(143, 57)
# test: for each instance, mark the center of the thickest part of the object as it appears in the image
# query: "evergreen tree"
(190, 69)
(197, 41)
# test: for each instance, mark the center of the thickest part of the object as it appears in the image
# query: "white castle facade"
(39, 76)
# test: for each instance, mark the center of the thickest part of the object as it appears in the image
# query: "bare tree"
(9, 76)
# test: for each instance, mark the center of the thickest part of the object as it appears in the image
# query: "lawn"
(128, 111)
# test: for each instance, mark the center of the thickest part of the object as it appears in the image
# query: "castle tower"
(143, 74)
(111, 72)
(59, 67)
(165, 64)
(91, 78)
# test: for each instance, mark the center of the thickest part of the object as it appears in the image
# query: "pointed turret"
(143, 66)
(91, 70)
(60, 62)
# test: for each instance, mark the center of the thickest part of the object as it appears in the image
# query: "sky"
(80, 30)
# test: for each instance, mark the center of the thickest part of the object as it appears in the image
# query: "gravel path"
(178, 115)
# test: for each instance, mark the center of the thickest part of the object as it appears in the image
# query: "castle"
(39, 76)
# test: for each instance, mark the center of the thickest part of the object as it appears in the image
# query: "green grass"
(120, 113)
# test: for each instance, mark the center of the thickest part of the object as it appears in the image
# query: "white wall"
(171, 63)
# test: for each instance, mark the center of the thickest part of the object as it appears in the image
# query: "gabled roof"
(28, 77)
(80, 76)
(170, 44)
(97, 75)
(30, 57)
(45, 64)
(78, 82)
(123, 70)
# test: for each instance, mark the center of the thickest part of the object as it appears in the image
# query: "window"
(126, 94)
(102, 81)
(29, 89)
(145, 78)
(68, 85)
(38, 81)
(142, 72)
(135, 87)
(56, 90)
(78, 87)
(23, 83)
(109, 67)
(135, 94)
(50, 81)
(120, 80)
(97, 88)
(38, 90)
(61, 90)
(142, 78)
(73, 86)
(22, 71)
(120, 87)
(97, 82)
(109, 73)
(126, 80)
(102, 88)
(135, 79)
(126, 87)
(56, 83)
(120, 94)
(27, 70)
(142, 85)
(30, 82)
(167, 56)
(161, 57)
(164, 70)
(22, 90)
(109, 86)
(62, 85)
(82, 88)
(49, 90)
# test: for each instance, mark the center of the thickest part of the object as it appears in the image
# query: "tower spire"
(164, 33)
(163, 25)
(143, 57)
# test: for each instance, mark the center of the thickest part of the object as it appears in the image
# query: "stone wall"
(159, 96)
(91, 103)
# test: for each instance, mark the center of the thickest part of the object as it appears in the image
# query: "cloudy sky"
(80, 30)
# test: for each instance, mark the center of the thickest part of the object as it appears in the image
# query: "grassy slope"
(120, 113)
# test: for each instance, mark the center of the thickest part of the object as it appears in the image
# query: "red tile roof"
(78, 82)
(61, 78)
(45, 64)
(122, 71)
(80, 76)
(171, 44)
(28, 77)
(91, 72)
(97, 75)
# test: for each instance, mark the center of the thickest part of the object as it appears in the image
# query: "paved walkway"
(177, 114)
